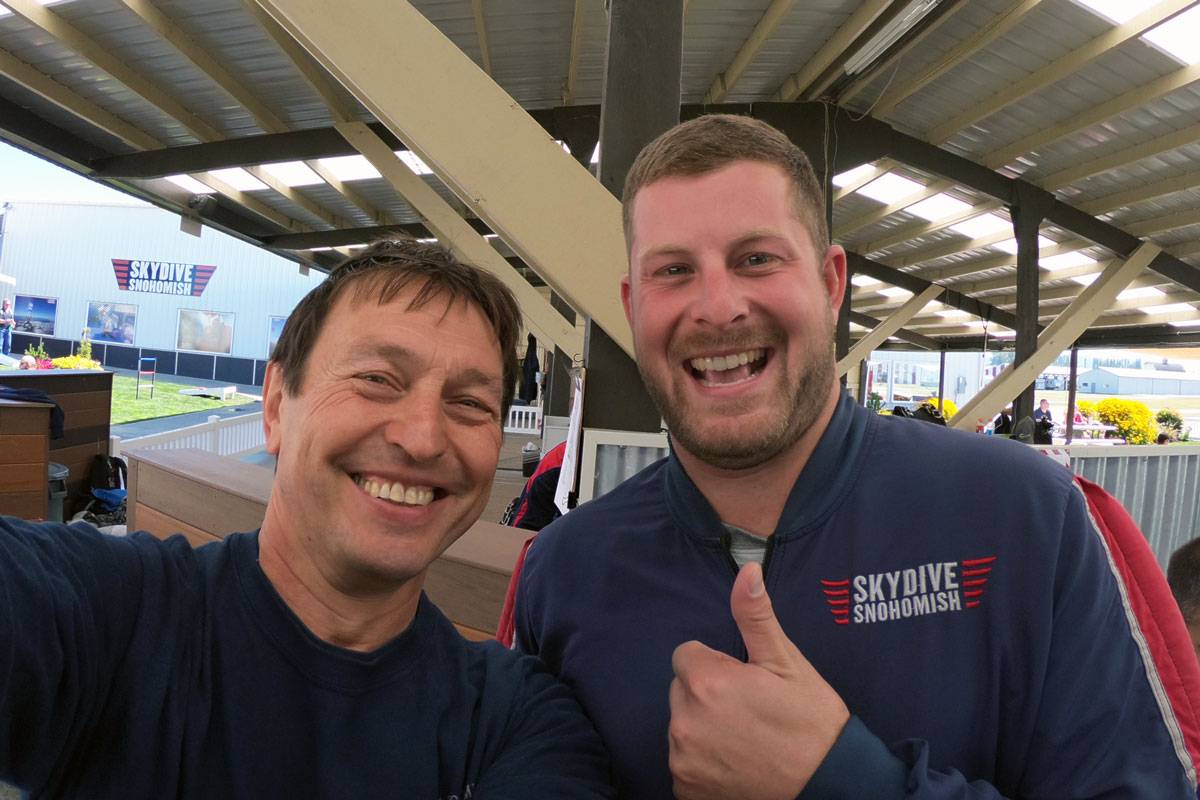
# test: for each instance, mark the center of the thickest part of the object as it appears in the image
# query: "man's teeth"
(396, 491)
(722, 363)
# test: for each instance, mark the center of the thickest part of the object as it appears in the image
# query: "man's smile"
(396, 492)
(726, 370)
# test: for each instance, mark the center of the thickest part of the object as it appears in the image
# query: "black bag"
(108, 472)
(929, 414)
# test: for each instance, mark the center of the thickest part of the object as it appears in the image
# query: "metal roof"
(1048, 92)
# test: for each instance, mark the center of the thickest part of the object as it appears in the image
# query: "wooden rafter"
(568, 94)
(800, 83)
(1059, 68)
(899, 92)
(725, 81)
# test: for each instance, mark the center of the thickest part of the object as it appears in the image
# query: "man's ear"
(273, 391)
(627, 298)
(833, 274)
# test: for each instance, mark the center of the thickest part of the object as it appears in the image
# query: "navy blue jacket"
(136, 668)
(982, 640)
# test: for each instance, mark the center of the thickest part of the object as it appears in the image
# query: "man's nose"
(720, 300)
(418, 426)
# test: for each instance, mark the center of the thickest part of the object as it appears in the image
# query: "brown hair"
(714, 141)
(383, 271)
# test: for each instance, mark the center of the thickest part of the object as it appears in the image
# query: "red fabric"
(506, 628)
(1154, 607)
(552, 460)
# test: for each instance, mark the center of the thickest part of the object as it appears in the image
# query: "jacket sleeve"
(550, 748)
(68, 607)
(1114, 713)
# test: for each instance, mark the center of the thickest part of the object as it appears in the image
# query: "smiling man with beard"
(303, 660)
(805, 599)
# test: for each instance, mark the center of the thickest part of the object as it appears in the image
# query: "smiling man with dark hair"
(303, 660)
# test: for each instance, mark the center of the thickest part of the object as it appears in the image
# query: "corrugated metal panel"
(618, 462)
(1161, 493)
(64, 251)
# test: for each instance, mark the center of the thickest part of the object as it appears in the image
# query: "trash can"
(57, 479)
(529, 459)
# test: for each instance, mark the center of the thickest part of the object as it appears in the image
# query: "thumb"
(766, 643)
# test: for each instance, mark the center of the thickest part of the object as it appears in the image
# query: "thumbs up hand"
(756, 730)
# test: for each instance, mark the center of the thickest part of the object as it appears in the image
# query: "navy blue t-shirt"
(141, 668)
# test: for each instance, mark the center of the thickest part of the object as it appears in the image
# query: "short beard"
(799, 403)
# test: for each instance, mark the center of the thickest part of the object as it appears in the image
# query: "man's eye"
(371, 377)
(674, 269)
(759, 259)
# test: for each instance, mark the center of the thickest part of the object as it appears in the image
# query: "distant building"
(207, 306)
(1120, 381)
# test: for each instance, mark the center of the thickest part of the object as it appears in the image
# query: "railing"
(524, 420)
(1158, 486)
(228, 436)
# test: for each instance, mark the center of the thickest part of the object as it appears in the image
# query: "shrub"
(948, 407)
(874, 402)
(1133, 420)
(38, 351)
(1087, 408)
(85, 348)
(1170, 421)
(74, 362)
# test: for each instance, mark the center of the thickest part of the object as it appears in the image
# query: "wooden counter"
(206, 497)
(24, 458)
(85, 397)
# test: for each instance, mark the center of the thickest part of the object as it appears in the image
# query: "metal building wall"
(66, 251)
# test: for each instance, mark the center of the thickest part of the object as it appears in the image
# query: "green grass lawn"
(167, 400)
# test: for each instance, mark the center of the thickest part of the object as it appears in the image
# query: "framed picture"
(112, 322)
(274, 331)
(36, 315)
(205, 331)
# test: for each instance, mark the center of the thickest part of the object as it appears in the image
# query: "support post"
(941, 381)
(642, 69)
(1071, 394)
(1027, 214)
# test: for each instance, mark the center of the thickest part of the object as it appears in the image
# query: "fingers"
(766, 643)
(691, 657)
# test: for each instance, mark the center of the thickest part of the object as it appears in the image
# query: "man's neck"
(361, 621)
(753, 499)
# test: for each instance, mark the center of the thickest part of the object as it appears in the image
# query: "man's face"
(732, 312)
(396, 402)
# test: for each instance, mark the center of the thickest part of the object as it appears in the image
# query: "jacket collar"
(822, 483)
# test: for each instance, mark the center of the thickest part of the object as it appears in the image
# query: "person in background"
(534, 508)
(805, 599)
(1004, 422)
(1042, 412)
(1183, 575)
(7, 323)
(303, 659)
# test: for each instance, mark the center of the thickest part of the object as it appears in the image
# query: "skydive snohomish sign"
(161, 277)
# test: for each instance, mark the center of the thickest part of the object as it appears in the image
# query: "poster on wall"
(112, 322)
(35, 315)
(205, 331)
(273, 334)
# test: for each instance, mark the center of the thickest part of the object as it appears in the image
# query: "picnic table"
(1089, 428)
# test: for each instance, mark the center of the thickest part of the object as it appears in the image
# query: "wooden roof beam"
(1059, 68)
(767, 23)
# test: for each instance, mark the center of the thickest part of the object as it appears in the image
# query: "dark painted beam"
(866, 135)
(240, 152)
(911, 337)
(642, 67)
(28, 131)
(346, 236)
(293, 146)
(1116, 337)
(862, 265)
(1027, 215)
